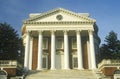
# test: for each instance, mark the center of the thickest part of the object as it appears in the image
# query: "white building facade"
(60, 39)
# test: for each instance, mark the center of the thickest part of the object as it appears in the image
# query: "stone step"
(61, 74)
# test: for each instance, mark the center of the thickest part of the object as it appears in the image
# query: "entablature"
(60, 23)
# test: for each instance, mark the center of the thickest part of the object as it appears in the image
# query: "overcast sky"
(106, 12)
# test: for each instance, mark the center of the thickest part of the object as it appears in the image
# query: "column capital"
(40, 31)
(28, 31)
(90, 31)
(53, 31)
(65, 31)
(78, 31)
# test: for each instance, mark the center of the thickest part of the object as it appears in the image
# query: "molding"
(57, 23)
(47, 28)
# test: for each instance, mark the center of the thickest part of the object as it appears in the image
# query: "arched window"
(3, 74)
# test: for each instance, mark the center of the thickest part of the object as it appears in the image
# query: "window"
(59, 43)
(45, 62)
(74, 43)
(75, 62)
(45, 43)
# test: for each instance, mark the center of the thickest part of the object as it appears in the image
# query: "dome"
(117, 72)
(2, 72)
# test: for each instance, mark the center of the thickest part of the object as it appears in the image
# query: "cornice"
(60, 23)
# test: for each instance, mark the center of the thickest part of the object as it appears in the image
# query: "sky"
(106, 12)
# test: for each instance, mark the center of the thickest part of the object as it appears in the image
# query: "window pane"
(44, 62)
(59, 43)
(74, 43)
(45, 43)
(75, 62)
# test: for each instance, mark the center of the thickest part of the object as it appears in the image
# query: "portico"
(60, 39)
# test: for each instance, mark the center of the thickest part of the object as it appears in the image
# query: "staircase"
(61, 74)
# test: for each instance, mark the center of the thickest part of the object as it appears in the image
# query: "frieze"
(60, 23)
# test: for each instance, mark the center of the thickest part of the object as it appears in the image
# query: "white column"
(89, 55)
(30, 55)
(66, 51)
(53, 50)
(40, 40)
(27, 48)
(92, 50)
(79, 51)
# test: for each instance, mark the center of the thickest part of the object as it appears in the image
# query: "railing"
(109, 62)
(8, 63)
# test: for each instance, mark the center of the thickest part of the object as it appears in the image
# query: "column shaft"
(66, 51)
(27, 48)
(79, 51)
(92, 50)
(30, 53)
(53, 50)
(40, 40)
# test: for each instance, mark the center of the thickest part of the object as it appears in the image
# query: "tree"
(9, 42)
(111, 49)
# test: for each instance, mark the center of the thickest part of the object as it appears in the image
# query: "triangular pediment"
(58, 15)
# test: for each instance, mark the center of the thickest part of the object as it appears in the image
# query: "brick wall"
(35, 53)
(10, 71)
(108, 71)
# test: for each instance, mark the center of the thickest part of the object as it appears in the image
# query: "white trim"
(44, 27)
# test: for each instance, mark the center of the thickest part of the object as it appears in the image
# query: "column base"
(39, 69)
(66, 68)
(52, 68)
(94, 69)
(80, 68)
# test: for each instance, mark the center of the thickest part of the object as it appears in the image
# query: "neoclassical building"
(60, 39)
